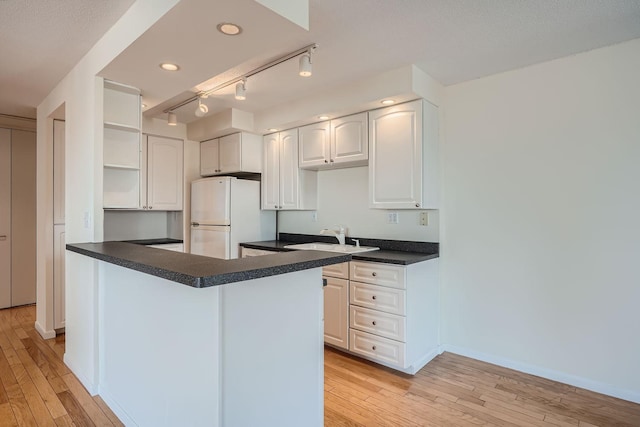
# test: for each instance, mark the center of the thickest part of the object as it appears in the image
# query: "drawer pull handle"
(373, 323)
(373, 348)
(374, 274)
(373, 297)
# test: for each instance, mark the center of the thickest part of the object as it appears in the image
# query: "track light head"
(241, 90)
(172, 120)
(305, 64)
(202, 109)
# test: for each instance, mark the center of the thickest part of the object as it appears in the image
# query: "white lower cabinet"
(336, 305)
(393, 318)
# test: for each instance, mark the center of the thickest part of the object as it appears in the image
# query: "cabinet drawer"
(378, 274)
(376, 297)
(377, 348)
(378, 323)
(340, 271)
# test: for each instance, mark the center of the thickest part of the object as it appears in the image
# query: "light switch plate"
(392, 218)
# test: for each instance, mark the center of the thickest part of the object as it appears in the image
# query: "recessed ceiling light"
(323, 117)
(144, 105)
(272, 130)
(167, 66)
(388, 101)
(229, 28)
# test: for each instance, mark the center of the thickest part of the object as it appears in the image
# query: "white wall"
(540, 243)
(343, 198)
(81, 92)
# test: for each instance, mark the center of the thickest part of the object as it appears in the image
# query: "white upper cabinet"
(315, 144)
(164, 174)
(403, 165)
(121, 146)
(340, 142)
(284, 185)
(349, 140)
(236, 153)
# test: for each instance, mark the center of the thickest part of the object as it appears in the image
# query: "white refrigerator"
(225, 211)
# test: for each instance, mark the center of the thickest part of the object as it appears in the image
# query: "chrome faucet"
(339, 234)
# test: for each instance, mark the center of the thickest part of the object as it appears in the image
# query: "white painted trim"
(117, 409)
(90, 386)
(423, 361)
(44, 333)
(598, 387)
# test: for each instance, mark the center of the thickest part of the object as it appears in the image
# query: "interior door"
(212, 241)
(211, 201)
(5, 218)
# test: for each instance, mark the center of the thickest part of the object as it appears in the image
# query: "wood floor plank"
(65, 421)
(90, 407)
(32, 397)
(22, 413)
(107, 411)
(6, 416)
(78, 415)
(48, 395)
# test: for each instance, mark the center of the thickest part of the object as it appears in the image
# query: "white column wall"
(540, 241)
(81, 92)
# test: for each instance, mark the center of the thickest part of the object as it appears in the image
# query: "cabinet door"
(289, 174)
(209, 157)
(230, 149)
(164, 173)
(58, 276)
(349, 139)
(314, 145)
(271, 172)
(395, 164)
(336, 312)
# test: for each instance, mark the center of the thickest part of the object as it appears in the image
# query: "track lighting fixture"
(241, 81)
(241, 90)
(202, 108)
(305, 64)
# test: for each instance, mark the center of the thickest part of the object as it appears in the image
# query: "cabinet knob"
(417, 205)
(373, 297)
(326, 161)
(374, 274)
(150, 207)
(331, 160)
(373, 348)
(279, 207)
(276, 206)
(144, 207)
(373, 323)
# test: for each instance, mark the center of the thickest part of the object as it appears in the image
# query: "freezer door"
(211, 241)
(211, 201)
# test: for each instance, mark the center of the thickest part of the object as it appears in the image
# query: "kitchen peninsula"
(192, 340)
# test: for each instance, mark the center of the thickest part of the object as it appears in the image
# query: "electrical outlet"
(86, 217)
(392, 217)
(314, 216)
(424, 218)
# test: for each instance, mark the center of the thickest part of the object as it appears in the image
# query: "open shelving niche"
(121, 152)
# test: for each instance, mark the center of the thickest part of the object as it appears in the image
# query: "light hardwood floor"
(37, 389)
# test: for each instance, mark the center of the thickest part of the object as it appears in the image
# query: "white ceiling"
(41, 41)
(451, 40)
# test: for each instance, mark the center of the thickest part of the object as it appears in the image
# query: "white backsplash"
(343, 198)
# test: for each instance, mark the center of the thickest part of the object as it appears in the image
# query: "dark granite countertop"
(161, 241)
(200, 271)
(391, 251)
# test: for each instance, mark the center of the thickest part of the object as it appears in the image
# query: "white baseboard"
(91, 387)
(44, 333)
(415, 367)
(598, 387)
(117, 409)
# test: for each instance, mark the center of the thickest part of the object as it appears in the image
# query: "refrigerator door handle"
(195, 224)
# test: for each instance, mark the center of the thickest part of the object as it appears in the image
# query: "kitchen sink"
(330, 247)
